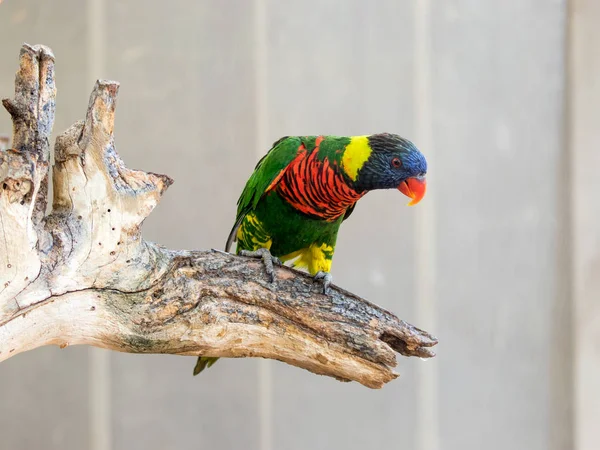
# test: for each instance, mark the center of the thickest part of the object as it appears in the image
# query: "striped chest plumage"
(316, 187)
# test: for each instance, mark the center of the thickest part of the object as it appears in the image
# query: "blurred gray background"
(501, 260)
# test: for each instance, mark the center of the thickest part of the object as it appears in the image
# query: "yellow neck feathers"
(356, 154)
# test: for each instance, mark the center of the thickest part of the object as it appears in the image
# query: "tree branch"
(4, 141)
(84, 275)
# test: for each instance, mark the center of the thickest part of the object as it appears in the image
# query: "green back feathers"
(333, 148)
(267, 171)
(272, 166)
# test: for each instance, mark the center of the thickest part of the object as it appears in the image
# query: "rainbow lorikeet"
(304, 188)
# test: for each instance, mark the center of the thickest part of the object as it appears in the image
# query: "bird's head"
(390, 162)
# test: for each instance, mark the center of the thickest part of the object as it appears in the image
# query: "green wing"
(266, 174)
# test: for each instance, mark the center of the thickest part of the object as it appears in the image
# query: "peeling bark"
(84, 275)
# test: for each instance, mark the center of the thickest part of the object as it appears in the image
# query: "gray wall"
(485, 262)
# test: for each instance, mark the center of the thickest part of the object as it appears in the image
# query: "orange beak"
(414, 188)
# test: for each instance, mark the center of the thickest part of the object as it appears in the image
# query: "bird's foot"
(326, 279)
(268, 260)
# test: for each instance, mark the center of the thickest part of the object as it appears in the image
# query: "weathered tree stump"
(83, 274)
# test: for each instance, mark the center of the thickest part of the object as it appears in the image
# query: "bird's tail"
(232, 234)
(204, 362)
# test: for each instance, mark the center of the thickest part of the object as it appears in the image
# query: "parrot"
(301, 191)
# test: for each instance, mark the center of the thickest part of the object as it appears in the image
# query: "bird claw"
(326, 280)
(267, 258)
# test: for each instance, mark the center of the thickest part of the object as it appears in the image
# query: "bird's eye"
(396, 162)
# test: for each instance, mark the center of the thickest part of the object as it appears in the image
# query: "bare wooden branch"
(4, 141)
(84, 275)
